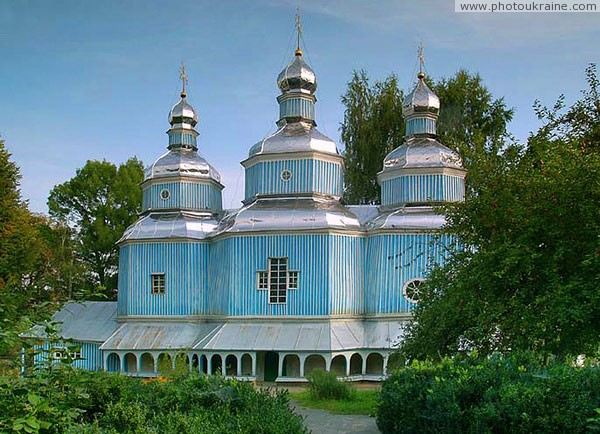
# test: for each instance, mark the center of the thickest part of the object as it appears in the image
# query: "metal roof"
(408, 218)
(178, 224)
(90, 321)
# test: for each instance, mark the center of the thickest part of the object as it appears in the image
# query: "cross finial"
(299, 29)
(421, 62)
(184, 79)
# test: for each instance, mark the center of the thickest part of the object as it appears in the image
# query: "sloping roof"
(158, 336)
(90, 321)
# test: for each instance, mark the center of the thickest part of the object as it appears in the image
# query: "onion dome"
(422, 152)
(184, 162)
(297, 76)
(183, 113)
(421, 99)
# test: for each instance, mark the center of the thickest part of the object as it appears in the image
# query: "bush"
(517, 394)
(325, 385)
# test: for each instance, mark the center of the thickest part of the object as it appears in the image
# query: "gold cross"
(184, 78)
(421, 59)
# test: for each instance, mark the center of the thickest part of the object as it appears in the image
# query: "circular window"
(164, 194)
(286, 175)
(411, 290)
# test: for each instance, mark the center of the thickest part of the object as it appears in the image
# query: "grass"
(360, 402)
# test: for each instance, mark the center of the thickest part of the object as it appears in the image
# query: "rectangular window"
(277, 280)
(158, 283)
(293, 280)
(262, 280)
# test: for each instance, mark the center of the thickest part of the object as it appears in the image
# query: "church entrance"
(271, 365)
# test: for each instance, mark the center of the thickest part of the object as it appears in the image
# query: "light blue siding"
(182, 139)
(183, 195)
(420, 126)
(393, 260)
(297, 107)
(308, 176)
(185, 265)
(422, 188)
(90, 353)
(329, 266)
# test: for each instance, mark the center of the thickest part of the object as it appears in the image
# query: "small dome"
(183, 112)
(182, 162)
(420, 152)
(297, 76)
(421, 99)
(294, 137)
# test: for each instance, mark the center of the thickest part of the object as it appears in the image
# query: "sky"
(91, 80)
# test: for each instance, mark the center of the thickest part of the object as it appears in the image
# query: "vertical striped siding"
(183, 195)
(297, 107)
(422, 188)
(420, 126)
(330, 274)
(185, 265)
(90, 353)
(308, 176)
(394, 259)
(182, 139)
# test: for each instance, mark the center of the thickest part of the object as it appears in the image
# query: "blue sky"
(84, 80)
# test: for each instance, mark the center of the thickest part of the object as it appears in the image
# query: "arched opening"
(113, 363)
(375, 364)
(312, 362)
(356, 364)
(203, 364)
(182, 363)
(395, 362)
(147, 362)
(130, 363)
(165, 364)
(231, 365)
(216, 368)
(271, 366)
(246, 365)
(338, 365)
(195, 363)
(291, 366)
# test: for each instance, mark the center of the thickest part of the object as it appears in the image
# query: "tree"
(99, 203)
(530, 277)
(372, 127)
(472, 122)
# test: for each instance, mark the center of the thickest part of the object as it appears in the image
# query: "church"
(292, 281)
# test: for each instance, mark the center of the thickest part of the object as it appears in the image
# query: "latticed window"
(277, 280)
(158, 283)
(411, 290)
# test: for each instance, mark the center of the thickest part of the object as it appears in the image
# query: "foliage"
(325, 385)
(99, 203)
(472, 122)
(360, 402)
(519, 394)
(529, 279)
(372, 127)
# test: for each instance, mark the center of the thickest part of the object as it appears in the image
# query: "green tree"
(530, 276)
(99, 202)
(472, 122)
(372, 127)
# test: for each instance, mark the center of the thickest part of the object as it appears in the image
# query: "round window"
(164, 195)
(411, 290)
(286, 175)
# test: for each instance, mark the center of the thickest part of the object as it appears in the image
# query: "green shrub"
(518, 394)
(325, 385)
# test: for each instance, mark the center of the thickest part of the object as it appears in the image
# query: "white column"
(364, 364)
(254, 357)
(138, 362)
(239, 364)
(328, 360)
(280, 368)
(347, 364)
(302, 360)
(385, 362)
(208, 364)
(122, 360)
(223, 366)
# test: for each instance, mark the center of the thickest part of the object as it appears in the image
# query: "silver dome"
(421, 99)
(182, 162)
(420, 152)
(289, 215)
(297, 75)
(170, 225)
(294, 137)
(183, 110)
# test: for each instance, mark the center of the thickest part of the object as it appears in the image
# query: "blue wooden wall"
(422, 188)
(182, 195)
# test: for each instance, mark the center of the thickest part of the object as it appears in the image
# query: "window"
(158, 283)
(277, 280)
(263, 280)
(411, 290)
(164, 194)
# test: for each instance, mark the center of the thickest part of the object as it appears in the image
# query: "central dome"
(297, 76)
(183, 112)
(421, 99)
